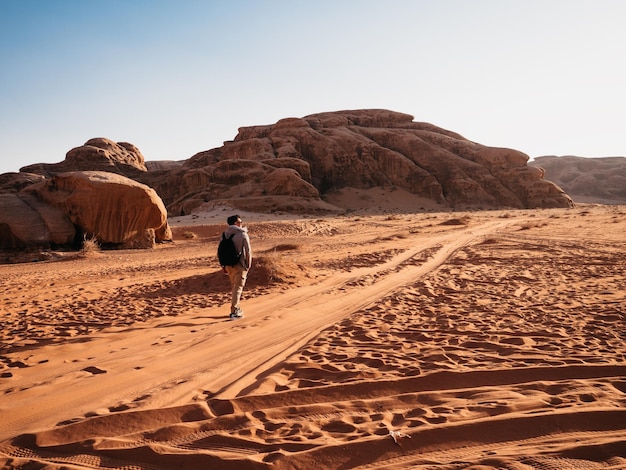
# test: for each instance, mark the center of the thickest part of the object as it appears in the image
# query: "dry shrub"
(275, 268)
(394, 236)
(457, 221)
(189, 235)
(284, 247)
(90, 245)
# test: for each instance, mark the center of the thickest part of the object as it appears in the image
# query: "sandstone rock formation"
(599, 180)
(113, 208)
(63, 208)
(98, 154)
(187, 188)
(15, 182)
(27, 222)
(359, 149)
(306, 159)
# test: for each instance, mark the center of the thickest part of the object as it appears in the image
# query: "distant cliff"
(599, 180)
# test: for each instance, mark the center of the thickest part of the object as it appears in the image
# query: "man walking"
(238, 273)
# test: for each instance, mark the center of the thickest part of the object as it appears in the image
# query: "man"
(239, 272)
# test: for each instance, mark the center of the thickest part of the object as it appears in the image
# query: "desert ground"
(430, 340)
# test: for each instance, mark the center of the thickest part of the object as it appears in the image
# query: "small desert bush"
(528, 226)
(90, 245)
(394, 236)
(273, 268)
(284, 247)
(457, 221)
(189, 235)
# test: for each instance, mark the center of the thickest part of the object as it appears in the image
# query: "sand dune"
(481, 340)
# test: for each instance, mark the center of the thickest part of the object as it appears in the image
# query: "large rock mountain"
(317, 154)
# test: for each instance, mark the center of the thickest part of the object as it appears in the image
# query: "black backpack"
(226, 251)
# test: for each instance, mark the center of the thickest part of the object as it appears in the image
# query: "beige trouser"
(238, 276)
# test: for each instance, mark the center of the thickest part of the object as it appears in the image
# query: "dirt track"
(410, 324)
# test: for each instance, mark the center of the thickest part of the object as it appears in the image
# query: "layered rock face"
(600, 180)
(15, 182)
(359, 149)
(61, 209)
(110, 207)
(27, 222)
(185, 189)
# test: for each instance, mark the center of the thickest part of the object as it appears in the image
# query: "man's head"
(233, 220)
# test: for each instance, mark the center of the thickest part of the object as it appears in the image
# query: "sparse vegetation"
(284, 247)
(457, 221)
(90, 245)
(272, 268)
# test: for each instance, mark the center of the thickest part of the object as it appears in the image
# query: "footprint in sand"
(94, 370)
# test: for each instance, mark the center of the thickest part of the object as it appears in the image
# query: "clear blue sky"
(175, 77)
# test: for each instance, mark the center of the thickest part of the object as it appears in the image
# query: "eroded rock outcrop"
(359, 149)
(189, 187)
(112, 208)
(98, 154)
(15, 182)
(27, 222)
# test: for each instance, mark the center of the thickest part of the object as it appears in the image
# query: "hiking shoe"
(237, 314)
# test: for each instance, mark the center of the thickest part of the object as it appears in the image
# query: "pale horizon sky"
(176, 77)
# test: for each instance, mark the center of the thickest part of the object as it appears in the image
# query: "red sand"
(480, 340)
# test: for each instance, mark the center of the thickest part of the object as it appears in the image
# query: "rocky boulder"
(592, 180)
(27, 222)
(359, 149)
(98, 154)
(112, 208)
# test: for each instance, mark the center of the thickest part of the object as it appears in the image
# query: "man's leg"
(238, 278)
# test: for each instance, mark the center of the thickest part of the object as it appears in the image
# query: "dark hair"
(232, 219)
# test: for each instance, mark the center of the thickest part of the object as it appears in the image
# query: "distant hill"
(300, 164)
(587, 180)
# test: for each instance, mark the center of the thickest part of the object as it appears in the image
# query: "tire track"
(290, 318)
